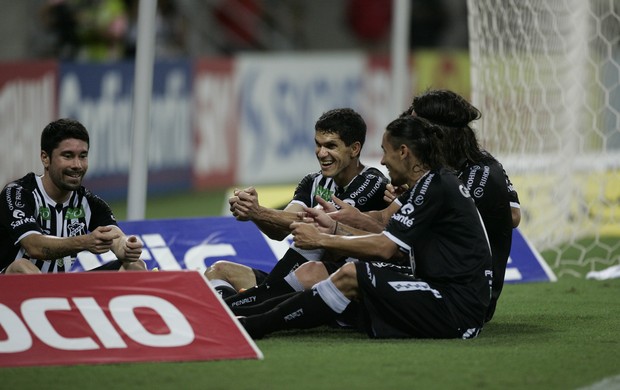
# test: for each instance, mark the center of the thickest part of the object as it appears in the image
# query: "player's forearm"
(370, 221)
(372, 246)
(42, 247)
(274, 223)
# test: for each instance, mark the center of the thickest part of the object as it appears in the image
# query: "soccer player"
(46, 220)
(483, 176)
(427, 275)
(339, 137)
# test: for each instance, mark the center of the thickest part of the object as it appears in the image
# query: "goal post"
(546, 76)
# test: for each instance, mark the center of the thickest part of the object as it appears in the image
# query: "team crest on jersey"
(76, 229)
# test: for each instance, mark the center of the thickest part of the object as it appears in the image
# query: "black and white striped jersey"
(25, 208)
(365, 191)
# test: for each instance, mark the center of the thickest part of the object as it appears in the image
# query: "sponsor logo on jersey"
(75, 213)
(45, 213)
(324, 193)
(371, 276)
(20, 219)
(18, 198)
(402, 215)
(363, 199)
(464, 191)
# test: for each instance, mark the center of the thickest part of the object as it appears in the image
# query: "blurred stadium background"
(238, 85)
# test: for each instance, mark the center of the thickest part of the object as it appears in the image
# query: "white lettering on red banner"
(115, 317)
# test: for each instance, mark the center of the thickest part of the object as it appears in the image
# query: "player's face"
(333, 155)
(393, 161)
(67, 165)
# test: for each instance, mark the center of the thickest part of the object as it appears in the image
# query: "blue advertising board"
(195, 243)
(100, 95)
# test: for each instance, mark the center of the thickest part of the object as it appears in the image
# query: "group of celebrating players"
(420, 255)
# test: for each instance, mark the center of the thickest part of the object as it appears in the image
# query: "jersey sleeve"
(101, 213)
(303, 191)
(366, 192)
(17, 212)
(512, 192)
(419, 208)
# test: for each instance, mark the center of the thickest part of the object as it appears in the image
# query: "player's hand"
(305, 235)
(325, 205)
(346, 213)
(132, 248)
(101, 239)
(321, 220)
(392, 193)
(237, 208)
(247, 206)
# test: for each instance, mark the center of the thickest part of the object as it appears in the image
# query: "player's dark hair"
(348, 124)
(59, 130)
(453, 114)
(421, 136)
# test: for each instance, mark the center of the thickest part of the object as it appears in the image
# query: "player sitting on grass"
(483, 175)
(339, 138)
(427, 275)
(46, 220)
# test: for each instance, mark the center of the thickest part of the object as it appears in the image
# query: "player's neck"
(56, 194)
(352, 170)
(416, 176)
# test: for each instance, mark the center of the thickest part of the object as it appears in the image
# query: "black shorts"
(113, 265)
(394, 304)
(260, 276)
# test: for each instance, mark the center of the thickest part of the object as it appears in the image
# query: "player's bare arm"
(44, 247)
(126, 248)
(372, 245)
(274, 223)
(369, 221)
(516, 216)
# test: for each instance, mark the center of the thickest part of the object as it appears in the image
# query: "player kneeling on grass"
(427, 275)
(46, 220)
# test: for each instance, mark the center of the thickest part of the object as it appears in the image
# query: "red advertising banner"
(27, 105)
(116, 317)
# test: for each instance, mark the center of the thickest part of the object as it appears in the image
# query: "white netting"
(546, 76)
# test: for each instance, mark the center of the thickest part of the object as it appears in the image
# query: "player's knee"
(227, 270)
(217, 270)
(310, 273)
(138, 265)
(345, 277)
(22, 266)
(345, 280)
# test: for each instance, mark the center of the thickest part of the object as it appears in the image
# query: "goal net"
(546, 76)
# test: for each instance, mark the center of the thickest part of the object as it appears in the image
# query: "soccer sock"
(259, 294)
(301, 311)
(261, 308)
(294, 282)
(223, 288)
(287, 264)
